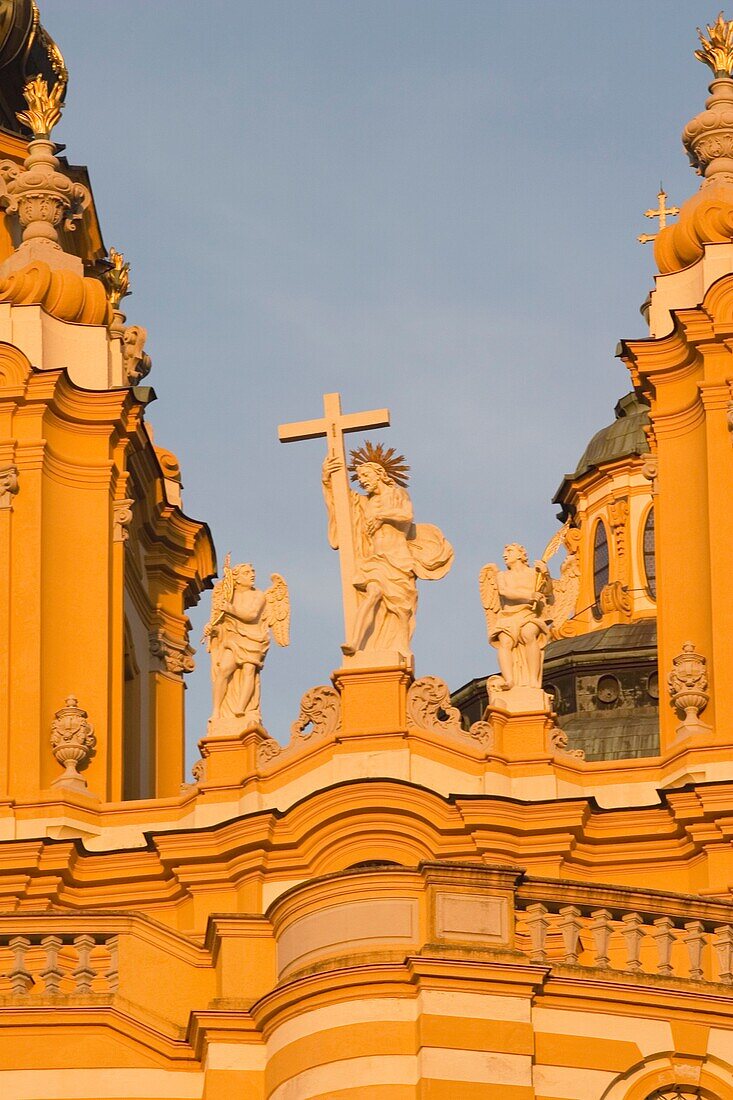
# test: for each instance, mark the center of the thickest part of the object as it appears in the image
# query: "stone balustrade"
(58, 964)
(635, 941)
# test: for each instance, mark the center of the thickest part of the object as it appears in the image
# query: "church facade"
(522, 891)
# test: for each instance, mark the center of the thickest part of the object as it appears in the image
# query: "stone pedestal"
(46, 251)
(229, 752)
(693, 727)
(373, 700)
(521, 719)
(75, 783)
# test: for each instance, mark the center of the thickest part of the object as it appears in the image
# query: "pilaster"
(686, 377)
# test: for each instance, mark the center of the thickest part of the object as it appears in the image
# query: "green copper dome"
(625, 436)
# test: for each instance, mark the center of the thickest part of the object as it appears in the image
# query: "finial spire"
(717, 48)
(117, 278)
(44, 107)
(43, 197)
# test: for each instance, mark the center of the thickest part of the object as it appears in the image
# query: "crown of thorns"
(394, 465)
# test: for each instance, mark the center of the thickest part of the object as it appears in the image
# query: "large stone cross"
(334, 425)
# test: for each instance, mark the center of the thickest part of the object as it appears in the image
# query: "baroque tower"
(410, 895)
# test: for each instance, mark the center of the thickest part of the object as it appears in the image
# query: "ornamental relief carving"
(136, 362)
(122, 518)
(650, 470)
(560, 745)
(618, 514)
(429, 707)
(9, 486)
(320, 708)
(615, 597)
(174, 657)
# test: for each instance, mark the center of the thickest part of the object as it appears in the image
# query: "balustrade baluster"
(695, 941)
(664, 937)
(84, 974)
(21, 979)
(52, 973)
(113, 974)
(723, 944)
(601, 928)
(633, 934)
(570, 926)
(537, 923)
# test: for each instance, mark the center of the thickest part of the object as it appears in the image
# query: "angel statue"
(524, 606)
(390, 550)
(238, 636)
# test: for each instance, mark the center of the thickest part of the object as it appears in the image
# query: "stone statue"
(238, 637)
(136, 361)
(523, 604)
(390, 550)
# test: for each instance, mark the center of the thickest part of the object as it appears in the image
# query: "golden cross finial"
(661, 212)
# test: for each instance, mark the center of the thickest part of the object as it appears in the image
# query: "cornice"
(381, 819)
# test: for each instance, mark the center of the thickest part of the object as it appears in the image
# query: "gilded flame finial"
(44, 107)
(117, 279)
(717, 48)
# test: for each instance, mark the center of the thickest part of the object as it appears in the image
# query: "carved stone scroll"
(8, 486)
(559, 742)
(174, 657)
(483, 733)
(650, 470)
(615, 597)
(121, 520)
(429, 706)
(320, 708)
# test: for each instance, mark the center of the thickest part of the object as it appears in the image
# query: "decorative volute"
(706, 218)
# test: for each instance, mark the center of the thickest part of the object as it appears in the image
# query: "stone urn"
(688, 689)
(73, 743)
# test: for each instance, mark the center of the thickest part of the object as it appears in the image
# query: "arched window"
(600, 561)
(650, 561)
(674, 1092)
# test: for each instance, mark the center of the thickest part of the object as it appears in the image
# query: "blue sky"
(428, 205)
